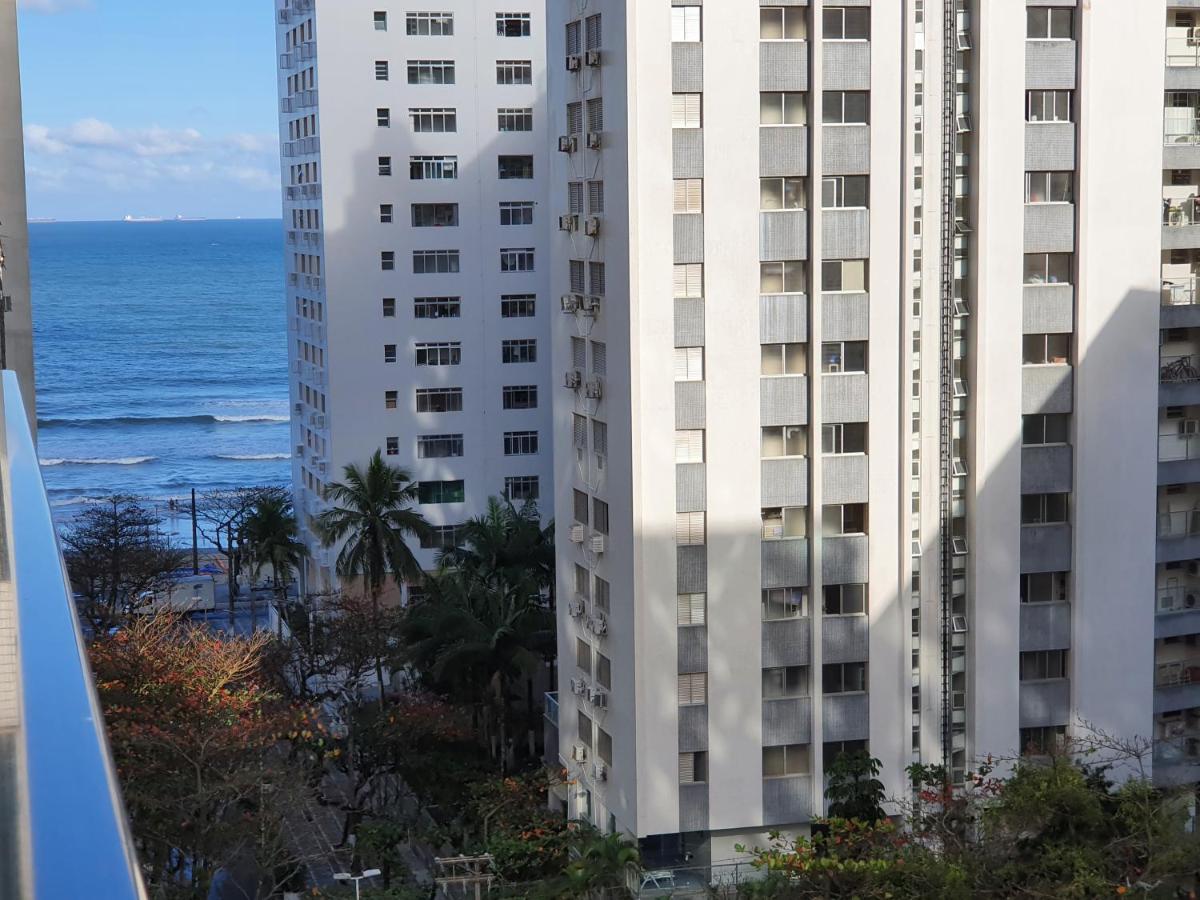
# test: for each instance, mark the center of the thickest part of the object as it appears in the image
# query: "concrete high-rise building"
(14, 227)
(861, 350)
(415, 155)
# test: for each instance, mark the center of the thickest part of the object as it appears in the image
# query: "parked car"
(667, 883)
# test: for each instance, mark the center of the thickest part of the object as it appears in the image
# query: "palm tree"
(373, 516)
(603, 866)
(270, 535)
(505, 543)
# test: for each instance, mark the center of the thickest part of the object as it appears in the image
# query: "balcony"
(1179, 368)
(65, 832)
(1181, 222)
(1177, 747)
(1181, 134)
(1044, 702)
(1183, 59)
(550, 752)
(1176, 684)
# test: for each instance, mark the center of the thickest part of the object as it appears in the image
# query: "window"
(690, 609)
(685, 110)
(574, 38)
(522, 350)
(785, 761)
(1048, 23)
(784, 440)
(516, 213)
(439, 446)
(591, 27)
(693, 767)
(595, 114)
(516, 260)
(600, 515)
(685, 23)
(782, 108)
(583, 655)
(689, 280)
(831, 751)
(431, 262)
(604, 744)
(786, 682)
(515, 167)
(1048, 268)
(1048, 106)
(845, 107)
(1037, 665)
(440, 537)
(689, 192)
(393, 446)
(784, 603)
(385, 213)
(844, 599)
(847, 437)
(432, 168)
(575, 118)
(391, 399)
(431, 71)
(596, 278)
(689, 529)
(514, 119)
(783, 523)
(1043, 587)
(689, 446)
(385, 165)
(441, 492)
(383, 117)
(842, 23)
(581, 507)
(387, 260)
(1046, 349)
(845, 192)
(512, 24)
(517, 306)
(434, 215)
(439, 400)
(603, 672)
(380, 20)
(784, 359)
(601, 594)
(1042, 740)
(520, 396)
(689, 363)
(780, 193)
(844, 518)
(521, 488)
(434, 119)
(1043, 509)
(782, 23)
(787, 277)
(514, 71)
(520, 443)
(389, 353)
(442, 354)
(599, 358)
(1049, 428)
(381, 70)
(843, 678)
(437, 307)
(389, 307)
(595, 192)
(693, 689)
(1049, 187)
(429, 23)
(843, 356)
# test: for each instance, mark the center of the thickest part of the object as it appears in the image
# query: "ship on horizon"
(141, 219)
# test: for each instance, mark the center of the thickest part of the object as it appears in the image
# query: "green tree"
(854, 790)
(373, 517)
(271, 537)
(604, 865)
(506, 544)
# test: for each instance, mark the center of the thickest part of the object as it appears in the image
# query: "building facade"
(859, 334)
(415, 152)
(14, 227)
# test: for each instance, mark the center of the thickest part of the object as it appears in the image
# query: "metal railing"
(66, 833)
(1182, 126)
(1177, 369)
(552, 708)
(1179, 213)
(1173, 446)
(1183, 671)
(1179, 291)
(1183, 47)
(1180, 524)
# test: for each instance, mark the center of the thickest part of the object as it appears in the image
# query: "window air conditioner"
(594, 389)
(579, 753)
(591, 227)
(575, 607)
(568, 223)
(592, 58)
(598, 698)
(590, 305)
(571, 303)
(568, 143)
(598, 624)
(600, 772)
(593, 140)
(573, 62)
(573, 379)
(578, 533)
(599, 543)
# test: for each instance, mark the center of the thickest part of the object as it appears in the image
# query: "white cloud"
(53, 6)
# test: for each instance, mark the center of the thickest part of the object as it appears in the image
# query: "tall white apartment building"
(415, 155)
(855, 420)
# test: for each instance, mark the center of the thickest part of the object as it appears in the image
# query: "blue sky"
(150, 107)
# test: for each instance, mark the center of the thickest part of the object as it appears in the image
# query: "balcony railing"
(1178, 370)
(1181, 524)
(1174, 446)
(64, 831)
(1183, 47)
(1184, 671)
(1179, 291)
(1180, 598)
(1179, 213)
(552, 708)
(1182, 126)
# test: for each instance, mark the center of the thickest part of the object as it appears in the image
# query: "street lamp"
(346, 876)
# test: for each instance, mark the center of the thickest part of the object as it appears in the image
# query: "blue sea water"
(161, 357)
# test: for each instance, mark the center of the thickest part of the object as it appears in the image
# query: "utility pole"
(4, 301)
(195, 545)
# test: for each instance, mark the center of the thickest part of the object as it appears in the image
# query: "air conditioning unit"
(578, 534)
(571, 303)
(958, 624)
(300, 451)
(599, 543)
(579, 752)
(568, 223)
(1189, 427)
(568, 143)
(592, 58)
(594, 389)
(591, 227)
(298, 408)
(598, 624)
(285, 16)
(593, 140)
(579, 687)
(589, 305)
(573, 62)
(600, 772)
(575, 607)
(573, 379)
(598, 698)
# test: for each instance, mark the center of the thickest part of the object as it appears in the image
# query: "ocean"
(161, 358)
